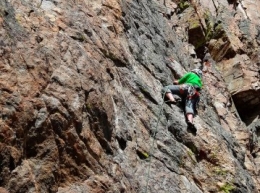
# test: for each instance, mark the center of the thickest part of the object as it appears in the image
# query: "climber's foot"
(192, 127)
(171, 102)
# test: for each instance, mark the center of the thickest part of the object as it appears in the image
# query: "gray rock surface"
(80, 96)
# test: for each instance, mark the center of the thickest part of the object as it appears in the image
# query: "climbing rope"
(152, 147)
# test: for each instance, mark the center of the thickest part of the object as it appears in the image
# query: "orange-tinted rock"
(80, 96)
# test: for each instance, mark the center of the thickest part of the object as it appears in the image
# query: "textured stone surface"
(80, 96)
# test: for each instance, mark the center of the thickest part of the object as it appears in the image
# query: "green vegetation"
(227, 188)
(81, 37)
(214, 156)
(194, 23)
(88, 106)
(220, 171)
(183, 5)
(142, 155)
(210, 25)
(140, 97)
(192, 147)
(196, 33)
(191, 155)
(145, 154)
(214, 30)
(219, 31)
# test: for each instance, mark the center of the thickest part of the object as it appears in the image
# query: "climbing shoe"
(191, 127)
(171, 102)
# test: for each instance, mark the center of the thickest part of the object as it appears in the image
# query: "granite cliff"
(80, 96)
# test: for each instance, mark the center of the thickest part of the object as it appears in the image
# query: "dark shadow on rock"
(122, 143)
(101, 127)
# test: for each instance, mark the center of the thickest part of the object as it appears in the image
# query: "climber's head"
(197, 71)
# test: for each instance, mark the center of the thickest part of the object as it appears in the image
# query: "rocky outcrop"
(81, 105)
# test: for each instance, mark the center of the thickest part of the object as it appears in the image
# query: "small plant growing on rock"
(140, 97)
(142, 155)
(145, 154)
(213, 157)
(191, 155)
(183, 5)
(220, 171)
(182, 162)
(227, 188)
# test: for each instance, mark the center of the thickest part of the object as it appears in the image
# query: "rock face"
(81, 105)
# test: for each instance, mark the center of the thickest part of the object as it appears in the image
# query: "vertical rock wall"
(80, 96)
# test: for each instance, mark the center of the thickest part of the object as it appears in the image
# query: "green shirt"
(192, 79)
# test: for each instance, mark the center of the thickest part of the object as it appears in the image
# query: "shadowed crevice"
(247, 104)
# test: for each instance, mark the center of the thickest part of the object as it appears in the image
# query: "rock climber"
(188, 88)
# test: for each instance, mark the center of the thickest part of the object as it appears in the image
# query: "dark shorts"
(182, 91)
